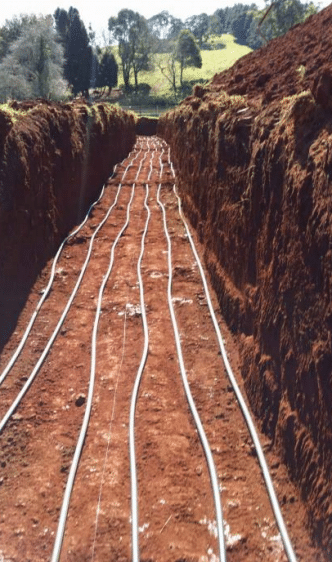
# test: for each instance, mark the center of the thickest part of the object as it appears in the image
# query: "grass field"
(213, 62)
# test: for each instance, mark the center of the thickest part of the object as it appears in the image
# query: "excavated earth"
(299, 60)
(176, 511)
(253, 158)
(253, 152)
(54, 160)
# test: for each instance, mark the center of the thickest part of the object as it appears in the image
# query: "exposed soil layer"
(176, 511)
(54, 161)
(299, 60)
(256, 181)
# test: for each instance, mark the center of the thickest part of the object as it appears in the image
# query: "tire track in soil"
(176, 511)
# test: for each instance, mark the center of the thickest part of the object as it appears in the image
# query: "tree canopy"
(164, 28)
(12, 30)
(283, 15)
(33, 65)
(187, 52)
(130, 30)
(138, 40)
(107, 71)
(79, 61)
(199, 26)
(242, 20)
(182, 53)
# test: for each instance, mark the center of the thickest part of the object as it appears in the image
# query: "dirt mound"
(256, 183)
(54, 158)
(285, 66)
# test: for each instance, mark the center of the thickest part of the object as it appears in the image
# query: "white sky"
(97, 12)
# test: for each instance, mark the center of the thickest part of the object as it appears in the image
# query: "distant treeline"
(240, 20)
(56, 56)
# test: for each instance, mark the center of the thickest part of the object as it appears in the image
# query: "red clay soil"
(299, 60)
(255, 177)
(176, 512)
(54, 161)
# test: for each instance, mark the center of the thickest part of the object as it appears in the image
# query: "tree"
(33, 66)
(108, 71)
(283, 15)
(12, 30)
(159, 25)
(176, 26)
(221, 21)
(79, 61)
(164, 28)
(142, 48)
(180, 54)
(130, 30)
(241, 21)
(187, 52)
(214, 24)
(168, 68)
(199, 27)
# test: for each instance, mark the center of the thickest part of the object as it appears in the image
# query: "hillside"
(213, 61)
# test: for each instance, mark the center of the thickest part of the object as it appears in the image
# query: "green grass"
(213, 62)
(13, 114)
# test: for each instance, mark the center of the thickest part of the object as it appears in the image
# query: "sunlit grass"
(13, 114)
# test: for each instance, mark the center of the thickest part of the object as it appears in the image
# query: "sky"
(97, 12)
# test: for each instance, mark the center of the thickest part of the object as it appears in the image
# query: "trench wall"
(54, 159)
(256, 184)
